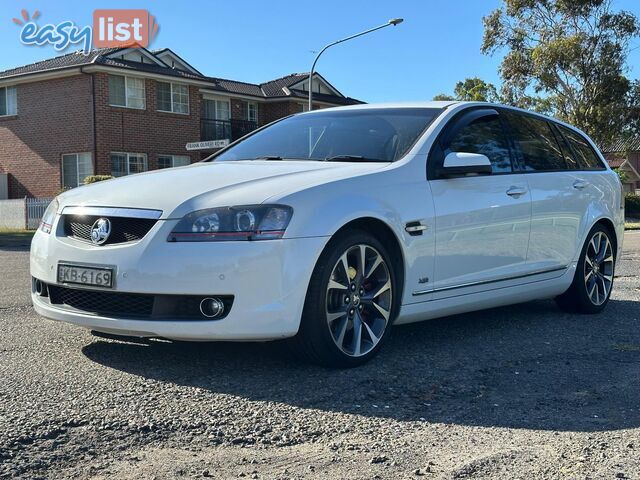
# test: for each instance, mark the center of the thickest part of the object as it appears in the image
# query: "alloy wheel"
(359, 299)
(598, 268)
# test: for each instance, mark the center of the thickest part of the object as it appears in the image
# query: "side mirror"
(461, 163)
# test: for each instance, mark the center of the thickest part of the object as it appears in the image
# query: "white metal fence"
(4, 186)
(22, 213)
(35, 208)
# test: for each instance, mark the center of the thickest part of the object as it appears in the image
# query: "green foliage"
(472, 90)
(96, 178)
(443, 96)
(632, 204)
(622, 174)
(567, 58)
(476, 90)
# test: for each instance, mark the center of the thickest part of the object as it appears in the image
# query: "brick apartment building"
(125, 110)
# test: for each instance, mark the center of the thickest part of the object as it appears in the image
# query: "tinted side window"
(567, 153)
(587, 157)
(484, 135)
(537, 143)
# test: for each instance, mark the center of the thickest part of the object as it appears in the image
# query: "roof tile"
(273, 88)
(270, 89)
(74, 59)
(630, 144)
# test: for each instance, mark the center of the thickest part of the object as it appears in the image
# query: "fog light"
(211, 307)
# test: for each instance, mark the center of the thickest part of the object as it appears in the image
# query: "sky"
(254, 41)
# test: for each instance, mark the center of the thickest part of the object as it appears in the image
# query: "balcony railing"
(225, 129)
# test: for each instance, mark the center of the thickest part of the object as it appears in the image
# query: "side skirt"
(500, 294)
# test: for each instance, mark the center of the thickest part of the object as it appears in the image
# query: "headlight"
(251, 222)
(49, 216)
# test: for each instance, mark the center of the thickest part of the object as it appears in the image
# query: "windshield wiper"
(349, 158)
(268, 157)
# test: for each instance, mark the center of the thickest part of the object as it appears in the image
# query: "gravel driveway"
(516, 392)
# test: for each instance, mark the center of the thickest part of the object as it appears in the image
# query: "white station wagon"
(329, 227)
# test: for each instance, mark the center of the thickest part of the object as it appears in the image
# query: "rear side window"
(538, 145)
(586, 156)
(484, 135)
(567, 153)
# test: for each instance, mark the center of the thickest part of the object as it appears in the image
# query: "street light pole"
(394, 22)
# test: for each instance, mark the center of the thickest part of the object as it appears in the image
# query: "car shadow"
(525, 366)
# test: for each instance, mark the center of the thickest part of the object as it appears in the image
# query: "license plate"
(93, 276)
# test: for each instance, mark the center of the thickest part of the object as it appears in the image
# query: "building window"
(252, 112)
(8, 101)
(172, 97)
(223, 110)
(303, 107)
(128, 163)
(75, 168)
(126, 91)
(170, 161)
(216, 109)
(215, 119)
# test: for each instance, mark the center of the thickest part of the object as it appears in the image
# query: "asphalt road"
(517, 392)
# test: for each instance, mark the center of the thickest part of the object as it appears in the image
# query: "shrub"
(624, 176)
(61, 191)
(632, 204)
(96, 178)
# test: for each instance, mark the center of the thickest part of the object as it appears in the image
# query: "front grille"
(131, 305)
(102, 303)
(123, 229)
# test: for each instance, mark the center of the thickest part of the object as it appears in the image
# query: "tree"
(631, 116)
(472, 90)
(624, 176)
(443, 96)
(476, 90)
(566, 58)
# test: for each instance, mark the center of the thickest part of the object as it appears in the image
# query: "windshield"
(370, 135)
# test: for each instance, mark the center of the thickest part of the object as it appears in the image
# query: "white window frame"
(6, 101)
(255, 106)
(173, 160)
(126, 95)
(171, 84)
(128, 160)
(217, 99)
(223, 100)
(79, 182)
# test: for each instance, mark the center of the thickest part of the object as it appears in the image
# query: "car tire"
(350, 304)
(592, 283)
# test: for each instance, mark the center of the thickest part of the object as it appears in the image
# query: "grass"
(626, 347)
(632, 223)
(14, 231)
(15, 238)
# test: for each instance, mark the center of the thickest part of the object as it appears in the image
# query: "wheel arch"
(386, 235)
(609, 225)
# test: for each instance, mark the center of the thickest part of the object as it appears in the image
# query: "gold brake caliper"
(352, 273)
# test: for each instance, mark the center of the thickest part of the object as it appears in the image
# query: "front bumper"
(268, 280)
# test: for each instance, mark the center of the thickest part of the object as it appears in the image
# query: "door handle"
(516, 191)
(415, 228)
(580, 184)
